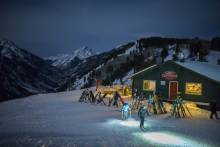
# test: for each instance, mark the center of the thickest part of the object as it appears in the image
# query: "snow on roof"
(142, 71)
(206, 69)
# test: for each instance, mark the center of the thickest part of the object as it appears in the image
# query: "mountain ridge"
(23, 73)
(64, 60)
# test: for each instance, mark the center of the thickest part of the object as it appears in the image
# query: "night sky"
(49, 27)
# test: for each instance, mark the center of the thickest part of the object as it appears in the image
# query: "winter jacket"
(126, 108)
(116, 96)
(141, 112)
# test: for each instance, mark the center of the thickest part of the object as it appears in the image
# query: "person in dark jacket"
(213, 109)
(116, 98)
(141, 114)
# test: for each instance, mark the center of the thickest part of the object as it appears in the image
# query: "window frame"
(154, 81)
(191, 93)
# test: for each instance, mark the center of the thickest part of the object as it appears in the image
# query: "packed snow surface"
(58, 119)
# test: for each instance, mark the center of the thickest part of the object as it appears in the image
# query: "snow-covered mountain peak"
(6, 43)
(83, 52)
(7, 46)
(9, 49)
(65, 59)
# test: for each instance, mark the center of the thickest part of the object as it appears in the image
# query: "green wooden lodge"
(193, 81)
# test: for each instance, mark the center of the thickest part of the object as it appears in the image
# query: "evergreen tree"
(84, 79)
(164, 53)
(215, 44)
(177, 49)
(106, 81)
(109, 69)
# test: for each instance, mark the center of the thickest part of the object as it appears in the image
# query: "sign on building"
(169, 75)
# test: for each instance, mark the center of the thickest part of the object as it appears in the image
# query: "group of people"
(154, 103)
(126, 112)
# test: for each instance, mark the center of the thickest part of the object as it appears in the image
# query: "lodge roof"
(205, 69)
(146, 69)
(210, 71)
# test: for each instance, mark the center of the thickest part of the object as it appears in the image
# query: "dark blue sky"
(49, 27)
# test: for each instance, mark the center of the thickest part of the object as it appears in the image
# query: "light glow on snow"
(167, 138)
(127, 123)
(130, 123)
(163, 138)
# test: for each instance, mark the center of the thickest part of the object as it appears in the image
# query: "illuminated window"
(193, 88)
(149, 85)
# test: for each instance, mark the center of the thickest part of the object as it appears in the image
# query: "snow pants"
(154, 107)
(124, 115)
(149, 107)
(214, 113)
(142, 121)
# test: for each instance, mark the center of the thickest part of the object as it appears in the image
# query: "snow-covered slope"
(129, 50)
(22, 73)
(213, 57)
(80, 83)
(98, 63)
(64, 60)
